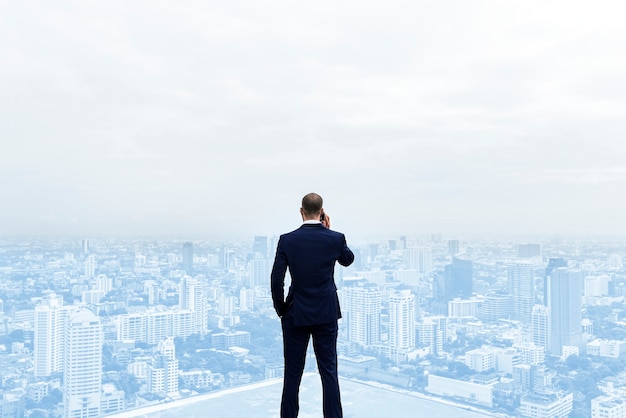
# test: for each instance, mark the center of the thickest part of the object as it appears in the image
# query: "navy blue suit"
(310, 309)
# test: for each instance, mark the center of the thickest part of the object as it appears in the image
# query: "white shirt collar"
(311, 221)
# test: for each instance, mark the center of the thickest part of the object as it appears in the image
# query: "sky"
(409, 117)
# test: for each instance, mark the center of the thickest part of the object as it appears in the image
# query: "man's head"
(311, 206)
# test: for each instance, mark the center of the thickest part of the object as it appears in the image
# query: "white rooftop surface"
(262, 400)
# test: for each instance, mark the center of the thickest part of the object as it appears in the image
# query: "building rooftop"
(262, 400)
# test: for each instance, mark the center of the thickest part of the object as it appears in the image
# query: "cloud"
(183, 117)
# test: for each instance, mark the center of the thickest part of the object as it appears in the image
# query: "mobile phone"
(322, 217)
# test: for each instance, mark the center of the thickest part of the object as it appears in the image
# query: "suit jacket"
(310, 253)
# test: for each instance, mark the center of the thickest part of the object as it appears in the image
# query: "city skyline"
(104, 326)
(215, 119)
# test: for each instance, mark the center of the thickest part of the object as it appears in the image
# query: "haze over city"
(150, 118)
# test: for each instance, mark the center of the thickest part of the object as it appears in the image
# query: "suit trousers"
(295, 344)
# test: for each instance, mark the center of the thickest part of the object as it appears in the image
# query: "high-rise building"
(521, 283)
(163, 369)
(432, 333)
(453, 247)
(260, 246)
(565, 289)
(82, 374)
(259, 270)
(188, 257)
(419, 258)
(454, 282)
(104, 283)
(528, 250)
(49, 335)
(495, 306)
(192, 296)
(553, 263)
(540, 326)
(401, 322)
(597, 285)
(362, 303)
(90, 266)
(85, 247)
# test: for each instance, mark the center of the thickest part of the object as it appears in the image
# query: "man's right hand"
(326, 220)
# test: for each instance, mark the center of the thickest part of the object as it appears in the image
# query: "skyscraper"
(528, 250)
(90, 266)
(553, 263)
(260, 246)
(163, 369)
(104, 283)
(192, 296)
(522, 288)
(419, 258)
(454, 282)
(49, 335)
(453, 247)
(540, 326)
(362, 302)
(188, 257)
(259, 270)
(401, 322)
(565, 289)
(82, 374)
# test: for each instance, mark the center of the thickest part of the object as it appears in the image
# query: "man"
(312, 305)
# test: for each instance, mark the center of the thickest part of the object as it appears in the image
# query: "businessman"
(311, 308)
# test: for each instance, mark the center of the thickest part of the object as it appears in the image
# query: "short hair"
(312, 204)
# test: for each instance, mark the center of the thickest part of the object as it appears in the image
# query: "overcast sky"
(408, 117)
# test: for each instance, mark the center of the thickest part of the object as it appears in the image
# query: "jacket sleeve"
(347, 256)
(278, 280)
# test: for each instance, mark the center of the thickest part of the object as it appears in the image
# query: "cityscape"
(505, 327)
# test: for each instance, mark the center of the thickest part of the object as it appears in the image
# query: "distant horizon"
(529, 237)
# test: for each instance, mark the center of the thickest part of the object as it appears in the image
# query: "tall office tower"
(565, 309)
(453, 247)
(392, 244)
(528, 250)
(455, 282)
(82, 373)
(50, 318)
(553, 263)
(362, 303)
(188, 257)
(418, 258)
(401, 322)
(260, 246)
(163, 369)
(90, 266)
(521, 281)
(192, 296)
(104, 283)
(372, 251)
(85, 247)
(259, 270)
(540, 326)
